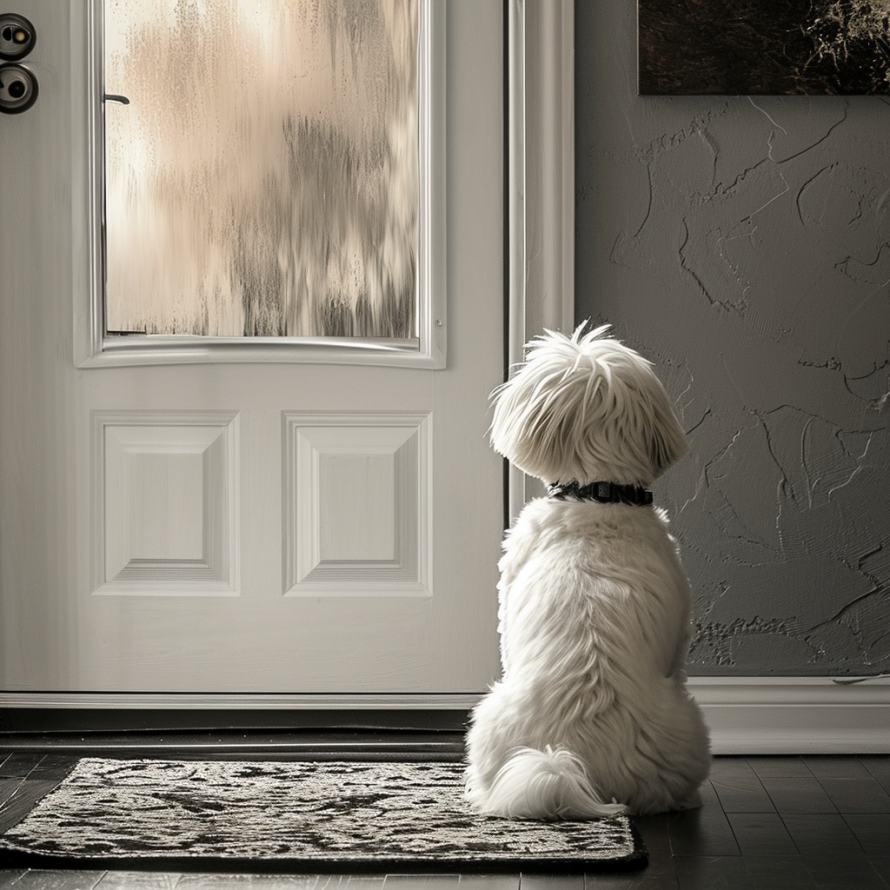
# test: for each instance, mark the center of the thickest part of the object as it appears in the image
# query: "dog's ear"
(667, 442)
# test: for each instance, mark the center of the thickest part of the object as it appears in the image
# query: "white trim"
(93, 349)
(794, 715)
(540, 182)
(745, 715)
(198, 701)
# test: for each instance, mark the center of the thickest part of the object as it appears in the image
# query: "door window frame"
(93, 348)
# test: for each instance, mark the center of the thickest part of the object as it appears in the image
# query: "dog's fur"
(595, 606)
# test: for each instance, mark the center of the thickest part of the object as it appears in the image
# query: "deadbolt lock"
(18, 85)
(18, 89)
(17, 36)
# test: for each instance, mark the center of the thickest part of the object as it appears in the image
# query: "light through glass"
(263, 179)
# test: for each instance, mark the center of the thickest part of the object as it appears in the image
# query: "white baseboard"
(746, 715)
(794, 715)
(242, 701)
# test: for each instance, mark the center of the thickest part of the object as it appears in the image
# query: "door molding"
(94, 349)
(540, 185)
(745, 715)
(250, 701)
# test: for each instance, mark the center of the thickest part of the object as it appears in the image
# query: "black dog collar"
(602, 492)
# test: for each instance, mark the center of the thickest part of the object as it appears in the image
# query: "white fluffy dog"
(595, 607)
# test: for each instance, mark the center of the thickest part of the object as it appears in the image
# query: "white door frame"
(540, 184)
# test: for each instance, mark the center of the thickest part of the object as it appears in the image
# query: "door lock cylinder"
(18, 89)
(18, 84)
(17, 36)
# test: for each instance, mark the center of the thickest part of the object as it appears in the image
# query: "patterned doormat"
(277, 816)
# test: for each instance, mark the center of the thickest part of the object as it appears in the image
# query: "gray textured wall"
(744, 246)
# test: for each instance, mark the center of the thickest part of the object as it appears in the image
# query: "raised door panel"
(359, 492)
(165, 489)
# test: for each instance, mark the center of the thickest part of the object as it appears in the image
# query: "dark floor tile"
(19, 766)
(703, 832)
(882, 866)
(712, 873)
(727, 764)
(779, 767)
(879, 767)
(23, 800)
(8, 787)
(654, 832)
(790, 795)
(53, 766)
(833, 766)
(743, 794)
(845, 873)
(723, 768)
(872, 830)
(778, 873)
(877, 764)
(761, 834)
(658, 875)
(18, 796)
(884, 783)
(857, 795)
(822, 835)
(738, 786)
(709, 799)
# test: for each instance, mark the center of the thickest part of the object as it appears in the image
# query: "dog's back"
(595, 611)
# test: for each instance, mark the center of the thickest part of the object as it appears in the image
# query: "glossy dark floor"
(767, 822)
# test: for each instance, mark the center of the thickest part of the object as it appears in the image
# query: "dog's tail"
(549, 784)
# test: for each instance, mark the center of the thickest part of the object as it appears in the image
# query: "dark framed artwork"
(766, 47)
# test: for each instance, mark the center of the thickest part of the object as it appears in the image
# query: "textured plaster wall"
(743, 244)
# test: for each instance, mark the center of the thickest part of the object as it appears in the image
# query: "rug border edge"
(635, 861)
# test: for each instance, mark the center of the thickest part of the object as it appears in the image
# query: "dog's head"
(588, 408)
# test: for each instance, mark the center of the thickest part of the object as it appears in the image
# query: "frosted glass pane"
(263, 180)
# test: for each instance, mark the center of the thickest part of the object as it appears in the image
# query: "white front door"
(268, 527)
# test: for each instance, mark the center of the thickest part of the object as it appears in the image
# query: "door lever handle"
(114, 97)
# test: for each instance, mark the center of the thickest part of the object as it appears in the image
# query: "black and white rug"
(281, 816)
